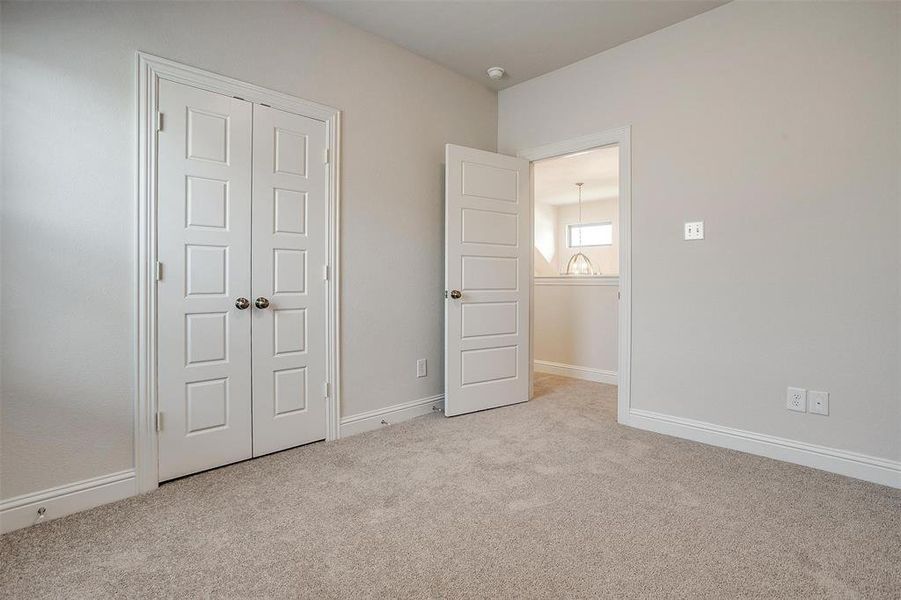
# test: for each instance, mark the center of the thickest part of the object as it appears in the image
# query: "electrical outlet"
(694, 230)
(796, 399)
(819, 402)
(421, 367)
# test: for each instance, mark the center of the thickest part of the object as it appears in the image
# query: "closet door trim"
(150, 70)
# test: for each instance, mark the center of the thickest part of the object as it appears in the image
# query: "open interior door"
(487, 262)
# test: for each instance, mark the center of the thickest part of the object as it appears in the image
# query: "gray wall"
(68, 220)
(576, 324)
(778, 125)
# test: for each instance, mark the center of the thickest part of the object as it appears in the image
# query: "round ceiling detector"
(495, 73)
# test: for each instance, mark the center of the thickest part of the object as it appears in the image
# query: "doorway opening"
(581, 273)
(576, 271)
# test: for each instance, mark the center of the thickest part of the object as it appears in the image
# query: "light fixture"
(495, 73)
(579, 264)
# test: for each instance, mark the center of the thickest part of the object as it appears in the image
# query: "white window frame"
(569, 238)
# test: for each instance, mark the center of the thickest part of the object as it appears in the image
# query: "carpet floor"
(548, 499)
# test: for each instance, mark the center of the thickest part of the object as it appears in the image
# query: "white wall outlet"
(694, 230)
(796, 399)
(421, 367)
(818, 402)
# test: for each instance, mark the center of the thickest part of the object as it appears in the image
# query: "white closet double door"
(242, 233)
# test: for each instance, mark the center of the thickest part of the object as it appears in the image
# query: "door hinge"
(159, 121)
(327, 155)
(325, 272)
(159, 422)
(618, 296)
(325, 389)
(158, 271)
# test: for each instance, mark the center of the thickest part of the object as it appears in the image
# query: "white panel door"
(289, 255)
(487, 247)
(204, 196)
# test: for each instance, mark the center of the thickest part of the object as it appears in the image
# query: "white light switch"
(694, 230)
(421, 367)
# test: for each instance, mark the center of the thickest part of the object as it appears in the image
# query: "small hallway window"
(589, 234)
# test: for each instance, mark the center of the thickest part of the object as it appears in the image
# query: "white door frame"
(150, 70)
(623, 137)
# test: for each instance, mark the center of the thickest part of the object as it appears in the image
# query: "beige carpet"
(549, 499)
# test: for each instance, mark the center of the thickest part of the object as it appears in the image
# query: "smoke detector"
(495, 73)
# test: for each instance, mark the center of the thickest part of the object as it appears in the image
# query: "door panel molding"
(486, 261)
(204, 340)
(150, 71)
(288, 155)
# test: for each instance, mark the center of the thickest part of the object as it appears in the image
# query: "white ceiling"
(556, 178)
(528, 38)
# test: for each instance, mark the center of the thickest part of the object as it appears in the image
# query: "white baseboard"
(22, 511)
(390, 415)
(860, 466)
(585, 373)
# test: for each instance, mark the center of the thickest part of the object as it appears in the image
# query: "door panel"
(489, 227)
(289, 254)
(204, 192)
(487, 260)
(488, 318)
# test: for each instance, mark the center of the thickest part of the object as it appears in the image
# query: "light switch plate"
(818, 402)
(796, 399)
(421, 367)
(694, 230)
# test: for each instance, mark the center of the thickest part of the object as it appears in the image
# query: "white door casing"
(487, 253)
(153, 123)
(204, 213)
(621, 137)
(290, 225)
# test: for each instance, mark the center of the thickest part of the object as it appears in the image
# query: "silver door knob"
(242, 303)
(456, 294)
(261, 302)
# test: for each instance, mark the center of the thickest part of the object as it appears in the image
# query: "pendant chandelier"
(579, 264)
